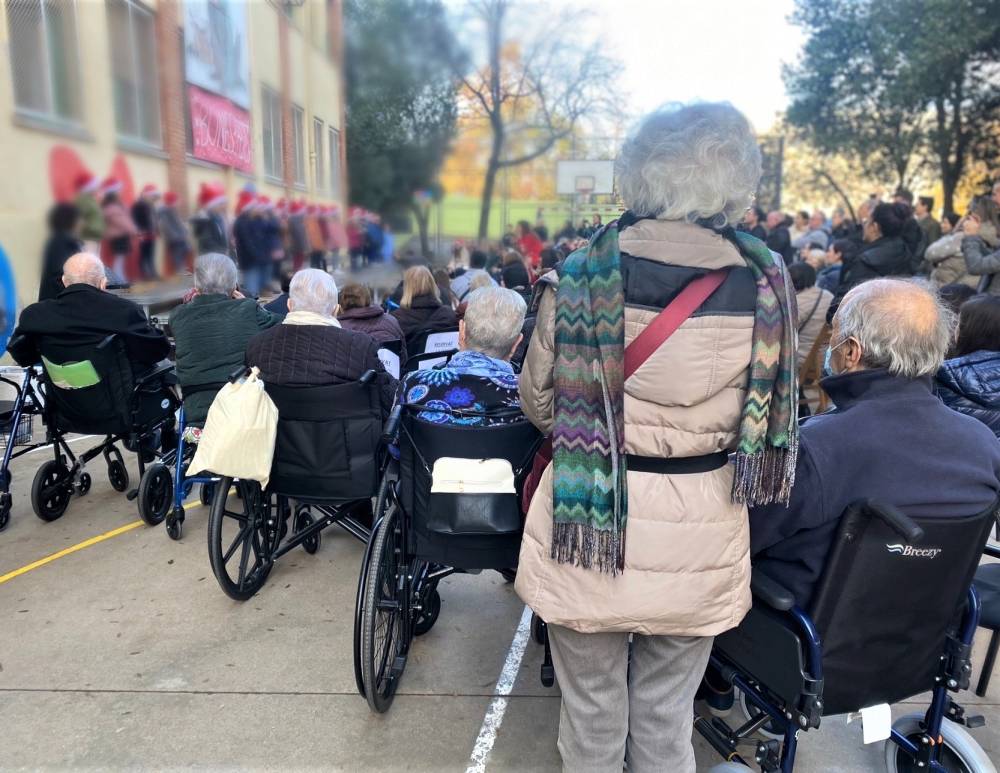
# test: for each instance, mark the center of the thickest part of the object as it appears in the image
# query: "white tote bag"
(238, 439)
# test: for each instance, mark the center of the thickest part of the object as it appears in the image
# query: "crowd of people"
(266, 238)
(672, 470)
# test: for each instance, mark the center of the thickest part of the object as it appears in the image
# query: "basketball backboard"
(585, 177)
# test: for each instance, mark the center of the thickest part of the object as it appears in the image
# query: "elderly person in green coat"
(211, 332)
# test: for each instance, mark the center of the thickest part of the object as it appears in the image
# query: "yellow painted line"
(79, 546)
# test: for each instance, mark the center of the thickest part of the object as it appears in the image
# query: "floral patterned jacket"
(472, 390)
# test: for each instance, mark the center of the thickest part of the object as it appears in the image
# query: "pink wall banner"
(220, 130)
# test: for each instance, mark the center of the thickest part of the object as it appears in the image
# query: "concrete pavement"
(126, 654)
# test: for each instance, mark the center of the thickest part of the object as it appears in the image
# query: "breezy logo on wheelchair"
(912, 552)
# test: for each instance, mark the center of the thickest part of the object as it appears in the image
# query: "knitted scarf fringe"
(582, 545)
(766, 476)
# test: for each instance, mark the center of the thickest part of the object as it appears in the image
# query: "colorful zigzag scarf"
(590, 498)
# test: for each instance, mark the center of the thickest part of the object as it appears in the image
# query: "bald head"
(897, 324)
(84, 268)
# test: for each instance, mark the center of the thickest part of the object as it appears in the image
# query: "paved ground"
(126, 654)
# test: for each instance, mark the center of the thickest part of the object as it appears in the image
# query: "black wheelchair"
(327, 461)
(420, 537)
(17, 418)
(893, 616)
(99, 395)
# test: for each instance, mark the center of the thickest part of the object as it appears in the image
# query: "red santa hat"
(110, 185)
(297, 207)
(170, 198)
(86, 182)
(282, 206)
(211, 195)
(245, 202)
(149, 190)
(264, 202)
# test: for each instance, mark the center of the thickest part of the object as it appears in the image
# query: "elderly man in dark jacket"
(81, 317)
(311, 348)
(889, 438)
(211, 333)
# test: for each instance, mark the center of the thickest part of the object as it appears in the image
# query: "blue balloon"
(8, 300)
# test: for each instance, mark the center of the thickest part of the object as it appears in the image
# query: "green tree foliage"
(400, 61)
(899, 84)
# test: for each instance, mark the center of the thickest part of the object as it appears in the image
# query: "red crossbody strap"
(672, 317)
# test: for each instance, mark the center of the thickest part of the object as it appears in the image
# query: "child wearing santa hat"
(175, 232)
(91, 219)
(211, 232)
(143, 211)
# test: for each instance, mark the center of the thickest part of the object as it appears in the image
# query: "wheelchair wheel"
(5, 504)
(83, 485)
(382, 640)
(960, 753)
(175, 523)
(359, 598)
(303, 520)
(750, 711)
(118, 475)
(51, 490)
(206, 492)
(424, 620)
(156, 494)
(241, 540)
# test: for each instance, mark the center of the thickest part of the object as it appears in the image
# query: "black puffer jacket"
(425, 313)
(888, 256)
(304, 355)
(971, 385)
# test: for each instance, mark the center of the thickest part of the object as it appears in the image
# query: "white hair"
(84, 268)
(901, 325)
(693, 162)
(493, 320)
(215, 274)
(313, 290)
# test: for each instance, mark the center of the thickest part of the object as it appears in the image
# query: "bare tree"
(533, 88)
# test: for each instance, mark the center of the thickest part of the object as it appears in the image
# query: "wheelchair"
(327, 460)
(893, 616)
(428, 341)
(161, 497)
(420, 537)
(99, 395)
(17, 427)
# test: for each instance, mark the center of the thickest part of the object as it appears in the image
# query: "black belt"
(192, 389)
(682, 465)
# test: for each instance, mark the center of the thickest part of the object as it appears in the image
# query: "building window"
(319, 168)
(334, 161)
(44, 58)
(298, 143)
(131, 29)
(270, 108)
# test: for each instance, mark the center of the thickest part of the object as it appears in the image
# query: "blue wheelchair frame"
(183, 484)
(26, 403)
(809, 636)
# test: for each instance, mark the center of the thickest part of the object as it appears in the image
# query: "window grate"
(318, 165)
(44, 58)
(334, 161)
(131, 30)
(272, 135)
(298, 143)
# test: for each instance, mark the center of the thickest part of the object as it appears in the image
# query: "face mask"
(827, 357)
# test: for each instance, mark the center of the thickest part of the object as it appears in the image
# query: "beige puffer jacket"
(687, 563)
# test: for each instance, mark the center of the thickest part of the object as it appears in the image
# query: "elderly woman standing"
(211, 333)
(639, 526)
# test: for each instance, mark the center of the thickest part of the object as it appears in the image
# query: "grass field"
(458, 216)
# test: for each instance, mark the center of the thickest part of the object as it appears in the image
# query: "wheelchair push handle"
(391, 428)
(239, 373)
(368, 376)
(895, 519)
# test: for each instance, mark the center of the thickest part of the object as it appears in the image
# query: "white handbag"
(238, 439)
(453, 475)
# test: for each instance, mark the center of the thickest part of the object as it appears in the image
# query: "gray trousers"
(610, 711)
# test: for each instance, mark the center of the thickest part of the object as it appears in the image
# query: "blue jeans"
(254, 279)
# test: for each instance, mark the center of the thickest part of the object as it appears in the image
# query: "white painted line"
(49, 447)
(498, 706)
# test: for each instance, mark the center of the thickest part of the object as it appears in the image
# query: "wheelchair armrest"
(160, 370)
(896, 519)
(770, 591)
(367, 377)
(107, 341)
(391, 428)
(993, 551)
(239, 373)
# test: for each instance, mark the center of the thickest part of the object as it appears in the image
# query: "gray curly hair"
(691, 162)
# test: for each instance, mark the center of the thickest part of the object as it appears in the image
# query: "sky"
(681, 50)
